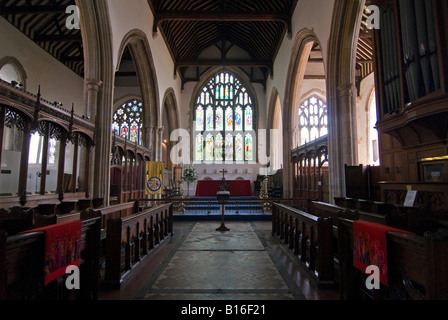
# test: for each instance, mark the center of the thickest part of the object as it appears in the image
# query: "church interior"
(314, 131)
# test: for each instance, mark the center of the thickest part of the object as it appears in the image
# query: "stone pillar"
(342, 144)
(150, 140)
(158, 146)
(92, 87)
(347, 120)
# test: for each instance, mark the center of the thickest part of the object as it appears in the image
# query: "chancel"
(328, 138)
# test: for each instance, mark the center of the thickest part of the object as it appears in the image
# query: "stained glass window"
(199, 147)
(209, 119)
(223, 108)
(313, 119)
(248, 147)
(239, 153)
(200, 119)
(209, 148)
(229, 147)
(219, 144)
(127, 121)
(219, 119)
(238, 119)
(248, 119)
(229, 119)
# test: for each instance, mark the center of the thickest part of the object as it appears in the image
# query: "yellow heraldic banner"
(154, 177)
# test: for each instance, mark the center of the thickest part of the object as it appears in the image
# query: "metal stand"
(223, 197)
(223, 226)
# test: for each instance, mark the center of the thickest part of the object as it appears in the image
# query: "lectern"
(223, 198)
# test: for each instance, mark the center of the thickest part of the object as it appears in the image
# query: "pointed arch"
(297, 66)
(170, 110)
(20, 70)
(225, 95)
(341, 91)
(274, 136)
(99, 77)
(137, 43)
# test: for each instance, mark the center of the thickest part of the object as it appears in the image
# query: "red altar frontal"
(237, 188)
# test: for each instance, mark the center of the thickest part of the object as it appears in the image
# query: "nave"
(200, 263)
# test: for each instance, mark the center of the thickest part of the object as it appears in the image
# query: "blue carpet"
(236, 209)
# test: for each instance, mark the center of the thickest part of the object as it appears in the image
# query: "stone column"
(150, 140)
(92, 87)
(347, 120)
(158, 146)
(342, 144)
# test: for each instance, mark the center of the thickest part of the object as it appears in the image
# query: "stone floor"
(200, 263)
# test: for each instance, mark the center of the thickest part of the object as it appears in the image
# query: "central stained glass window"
(224, 121)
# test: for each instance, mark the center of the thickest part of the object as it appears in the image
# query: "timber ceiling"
(200, 34)
(44, 21)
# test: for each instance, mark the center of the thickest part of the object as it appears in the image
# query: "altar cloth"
(237, 188)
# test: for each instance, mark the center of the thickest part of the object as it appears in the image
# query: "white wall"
(57, 82)
(315, 15)
(129, 15)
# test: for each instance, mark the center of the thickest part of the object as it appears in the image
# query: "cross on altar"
(223, 173)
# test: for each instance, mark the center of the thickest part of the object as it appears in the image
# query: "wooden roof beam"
(225, 63)
(220, 17)
(32, 9)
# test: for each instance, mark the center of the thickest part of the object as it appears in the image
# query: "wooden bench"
(130, 239)
(323, 209)
(310, 238)
(121, 210)
(22, 266)
(16, 219)
(418, 269)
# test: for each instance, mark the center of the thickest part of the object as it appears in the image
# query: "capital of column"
(93, 84)
(346, 90)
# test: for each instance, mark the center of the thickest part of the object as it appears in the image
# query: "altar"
(237, 188)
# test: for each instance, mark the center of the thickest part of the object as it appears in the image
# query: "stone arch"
(200, 84)
(274, 116)
(17, 66)
(137, 42)
(342, 92)
(118, 102)
(99, 76)
(297, 67)
(171, 111)
(210, 73)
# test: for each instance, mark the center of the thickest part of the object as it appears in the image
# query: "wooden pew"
(16, 219)
(310, 238)
(418, 269)
(121, 210)
(21, 266)
(323, 209)
(130, 239)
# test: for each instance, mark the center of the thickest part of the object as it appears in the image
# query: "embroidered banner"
(370, 247)
(62, 248)
(154, 177)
